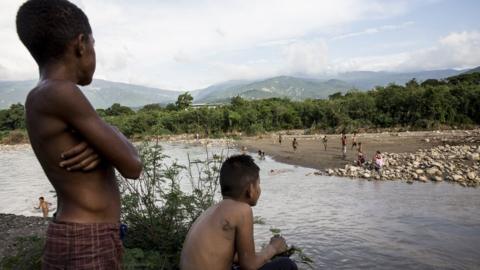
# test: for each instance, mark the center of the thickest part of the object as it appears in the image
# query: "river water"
(340, 223)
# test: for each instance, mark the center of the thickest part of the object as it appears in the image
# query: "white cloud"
(145, 37)
(456, 50)
(307, 57)
(190, 44)
(459, 50)
(374, 30)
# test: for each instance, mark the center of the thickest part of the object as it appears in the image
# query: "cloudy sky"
(190, 44)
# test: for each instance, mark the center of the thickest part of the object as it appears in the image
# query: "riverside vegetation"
(452, 102)
(158, 208)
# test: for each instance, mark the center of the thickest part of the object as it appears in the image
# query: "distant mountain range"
(302, 87)
(473, 70)
(103, 94)
(282, 86)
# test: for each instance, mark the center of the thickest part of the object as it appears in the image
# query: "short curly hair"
(236, 173)
(46, 26)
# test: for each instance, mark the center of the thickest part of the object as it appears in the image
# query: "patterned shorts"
(82, 246)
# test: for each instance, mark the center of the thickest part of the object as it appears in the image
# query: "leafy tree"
(335, 95)
(184, 101)
(13, 118)
(117, 109)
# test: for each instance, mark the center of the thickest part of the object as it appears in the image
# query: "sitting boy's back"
(224, 232)
(211, 239)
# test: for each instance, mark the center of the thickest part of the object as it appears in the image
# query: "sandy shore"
(310, 152)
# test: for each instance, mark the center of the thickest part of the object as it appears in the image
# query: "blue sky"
(190, 44)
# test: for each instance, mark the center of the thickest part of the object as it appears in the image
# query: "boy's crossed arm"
(72, 106)
(245, 245)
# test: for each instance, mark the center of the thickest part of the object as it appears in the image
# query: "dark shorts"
(280, 263)
(82, 246)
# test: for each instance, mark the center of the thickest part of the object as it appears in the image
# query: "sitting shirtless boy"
(225, 230)
(85, 231)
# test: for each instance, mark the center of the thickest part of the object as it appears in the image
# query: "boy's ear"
(80, 44)
(249, 191)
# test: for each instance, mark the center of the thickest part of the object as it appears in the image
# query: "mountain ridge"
(100, 93)
(103, 93)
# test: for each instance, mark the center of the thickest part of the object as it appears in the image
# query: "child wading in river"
(44, 205)
(225, 230)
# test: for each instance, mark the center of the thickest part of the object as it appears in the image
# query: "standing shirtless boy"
(85, 232)
(226, 229)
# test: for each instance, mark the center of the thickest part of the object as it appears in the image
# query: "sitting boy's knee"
(285, 263)
(290, 264)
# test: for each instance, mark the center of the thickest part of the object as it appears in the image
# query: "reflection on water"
(341, 223)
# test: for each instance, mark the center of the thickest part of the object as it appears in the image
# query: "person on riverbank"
(354, 140)
(344, 146)
(294, 144)
(223, 235)
(378, 162)
(85, 234)
(360, 158)
(44, 206)
(360, 147)
(280, 138)
(325, 140)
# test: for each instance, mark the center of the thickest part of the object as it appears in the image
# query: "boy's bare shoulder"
(56, 95)
(53, 90)
(238, 210)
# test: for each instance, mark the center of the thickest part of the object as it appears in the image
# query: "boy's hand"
(279, 244)
(80, 157)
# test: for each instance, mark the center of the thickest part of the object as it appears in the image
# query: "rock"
(366, 175)
(437, 164)
(422, 178)
(409, 182)
(437, 178)
(432, 171)
(473, 156)
(419, 171)
(471, 175)
(426, 140)
(330, 172)
(354, 168)
(457, 178)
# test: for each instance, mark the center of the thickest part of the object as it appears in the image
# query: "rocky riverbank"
(12, 227)
(458, 164)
